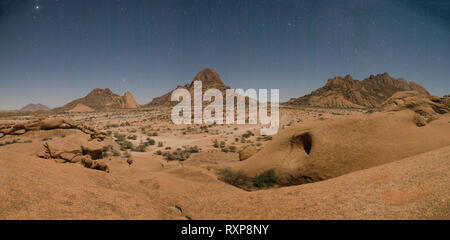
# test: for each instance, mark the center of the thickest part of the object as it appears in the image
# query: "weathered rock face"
(100, 99)
(92, 149)
(319, 150)
(87, 162)
(72, 149)
(209, 79)
(428, 108)
(129, 101)
(49, 124)
(349, 93)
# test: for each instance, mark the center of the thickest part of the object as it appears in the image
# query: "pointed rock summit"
(101, 99)
(209, 79)
(346, 92)
(129, 101)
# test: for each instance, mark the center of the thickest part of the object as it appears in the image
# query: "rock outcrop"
(49, 124)
(209, 79)
(73, 152)
(129, 101)
(319, 150)
(67, 150)
(101, 99)
(349, 93)
(428, 108)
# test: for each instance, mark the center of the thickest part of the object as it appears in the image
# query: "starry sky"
(53, 51)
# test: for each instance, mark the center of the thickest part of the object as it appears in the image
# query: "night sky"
(53, 51)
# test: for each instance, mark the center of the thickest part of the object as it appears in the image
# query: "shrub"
(238, 179)
(119, 137)
(115, 153)
(241, 180)
(132, 137)
(125, 145)
(265, 179)
(232, 149)
(216, 143)
(181, 154)
(140, 148)
(126, 155)
(248, 134)
(150, 141)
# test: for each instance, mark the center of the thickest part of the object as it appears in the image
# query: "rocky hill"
(102, 99)
(209, 79)
(346, 92)
(34, 108)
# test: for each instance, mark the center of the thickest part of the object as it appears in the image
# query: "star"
(37, 7)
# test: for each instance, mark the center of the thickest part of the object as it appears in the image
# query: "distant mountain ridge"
(102, 99)
(34, 108)
(345, 92)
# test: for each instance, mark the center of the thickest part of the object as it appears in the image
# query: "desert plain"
(346, 151)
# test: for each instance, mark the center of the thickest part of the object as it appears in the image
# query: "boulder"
(99, 165)
(19, 132)
(59, 160)
(87, 162)
(7, 131)
(92, 149)
(32, 125)
(78, 159)
(247, 152)
(53, 147)
(419, 120)
(19, 126)
(70, 122)
(67, 156)
(54, 123)
(424, 105)
(130, 160)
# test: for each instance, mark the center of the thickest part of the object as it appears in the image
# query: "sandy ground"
(410, 185)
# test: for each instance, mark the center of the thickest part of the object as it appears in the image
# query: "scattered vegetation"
(8, 142)
(248, 134)
(265, 179)
(132, 137)
(150, 142)
(239, 179)
(180, 154)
